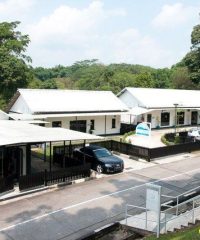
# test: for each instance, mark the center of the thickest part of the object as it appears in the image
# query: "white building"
(160, 106)
(97, 112)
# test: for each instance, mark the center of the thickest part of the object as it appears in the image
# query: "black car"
(101, 159)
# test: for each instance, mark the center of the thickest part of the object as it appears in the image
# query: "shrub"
(127, 135)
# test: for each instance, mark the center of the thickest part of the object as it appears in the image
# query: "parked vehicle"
(194, 132)
(101, 159)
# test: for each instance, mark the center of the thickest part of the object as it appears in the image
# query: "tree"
(144, 80)
(162, 78)
(181, 79)
(192, 59)
(14, 71)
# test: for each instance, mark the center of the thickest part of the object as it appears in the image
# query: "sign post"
(153, 201)
(143, 129)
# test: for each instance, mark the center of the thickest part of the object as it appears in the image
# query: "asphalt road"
(70, 212)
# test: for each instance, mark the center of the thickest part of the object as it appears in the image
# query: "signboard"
(143, 129)
(153, 196)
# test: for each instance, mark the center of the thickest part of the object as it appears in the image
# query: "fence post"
(45, 177)
(146, 220)
(149, 155)
(177, 202)
(126, 213)
(193, 218)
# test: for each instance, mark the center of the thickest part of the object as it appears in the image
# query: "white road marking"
(93, 199)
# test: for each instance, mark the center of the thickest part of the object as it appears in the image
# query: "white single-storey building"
(97, 112)
(161, 107)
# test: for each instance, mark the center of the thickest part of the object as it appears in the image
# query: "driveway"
(73, 211)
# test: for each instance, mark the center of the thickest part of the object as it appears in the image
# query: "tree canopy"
(14, 71)
(192, 59)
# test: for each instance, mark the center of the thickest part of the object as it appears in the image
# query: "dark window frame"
(57, 124)
(92, 124)
(113, 123)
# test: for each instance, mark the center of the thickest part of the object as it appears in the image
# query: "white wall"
(20, 106)
(130, 101)
(156, 117)
(99, 123)
(3, 115)
(129, 119)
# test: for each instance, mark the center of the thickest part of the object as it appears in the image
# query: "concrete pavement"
(154, 140)
(70, 212)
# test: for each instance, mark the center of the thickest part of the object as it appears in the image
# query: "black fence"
(48, 178)
(138, 151)
(174, 149)
(130, 149)
(6, 184)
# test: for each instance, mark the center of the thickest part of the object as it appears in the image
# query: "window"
(56, 124)
(180, 118)
(92, 124)
(78, 125)
(103, 152)
(113, 123)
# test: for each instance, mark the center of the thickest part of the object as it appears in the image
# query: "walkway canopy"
(139, 110)
(19, 132)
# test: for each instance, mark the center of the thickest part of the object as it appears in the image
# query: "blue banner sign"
(143, 129)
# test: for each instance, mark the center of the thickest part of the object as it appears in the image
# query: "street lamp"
(175, 108)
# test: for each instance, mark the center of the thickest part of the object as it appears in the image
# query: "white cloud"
(72, 24)
(72, 34)
(12, 10)
(71, 31)
(132, 47)
(174, 15)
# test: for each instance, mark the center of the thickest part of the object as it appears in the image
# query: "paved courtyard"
(155, 139)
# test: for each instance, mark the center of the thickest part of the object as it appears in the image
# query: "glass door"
(165, 116)
(194, 117)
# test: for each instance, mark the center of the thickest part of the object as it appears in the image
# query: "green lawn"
(189, 234)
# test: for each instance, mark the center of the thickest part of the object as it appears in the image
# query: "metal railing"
(129, 215)
(178, 197)
(187, 209)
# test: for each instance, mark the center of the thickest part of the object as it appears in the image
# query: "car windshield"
(103, 152)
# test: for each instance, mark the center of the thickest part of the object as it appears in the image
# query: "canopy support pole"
(64, 165)
(105, 125)
(50, 158)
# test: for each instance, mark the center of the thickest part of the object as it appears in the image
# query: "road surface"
(73, 211)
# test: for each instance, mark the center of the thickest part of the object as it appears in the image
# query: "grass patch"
(189, 234)
(39, 153)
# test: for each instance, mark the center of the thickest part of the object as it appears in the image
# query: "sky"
(155, 33)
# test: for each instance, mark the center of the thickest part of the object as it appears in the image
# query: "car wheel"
(99, 168)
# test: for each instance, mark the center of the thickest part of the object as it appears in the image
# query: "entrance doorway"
(165, 116)
(149, 118)
(194, 118)
(79, 125)
(13, 162)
